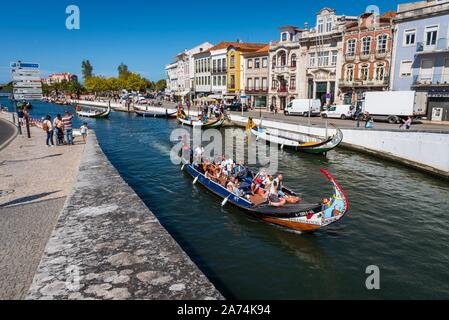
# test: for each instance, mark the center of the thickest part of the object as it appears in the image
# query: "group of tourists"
(240, 181)
(61, 128)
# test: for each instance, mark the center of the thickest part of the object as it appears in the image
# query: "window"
(223, 61)
(265, 83)
(329, 24)
(382, 43)
(426, 71)
(409, 37)
(214, 68)
(264, 62)
(249, 84)
(214, 81)
(380, 72)
(208, 65)
(320, 25)
(350, 73)
(283, 57)
(232, 64)
(364, 72)
(293, 61)
(274, 84)
(312, 59)
(257, 83)
(219, 80)
(406, 68)
(323, 59)
(208, 81)
(250, 63)
(223, 83)
(334, 58)
(431, 35)
(284, 36)
(351, 47)
(273, 62)
(232, 84)
(293, 82)
(366, 46)
(257, 63)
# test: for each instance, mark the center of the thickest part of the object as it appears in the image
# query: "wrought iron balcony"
(437, 79)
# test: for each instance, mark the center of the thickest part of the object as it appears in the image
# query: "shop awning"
(182, 93)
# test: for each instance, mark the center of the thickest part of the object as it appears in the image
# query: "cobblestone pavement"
(34, 183)
(108, 245)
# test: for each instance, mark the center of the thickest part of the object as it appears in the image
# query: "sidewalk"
(34, 183)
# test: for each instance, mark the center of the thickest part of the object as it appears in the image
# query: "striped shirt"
(67, 122)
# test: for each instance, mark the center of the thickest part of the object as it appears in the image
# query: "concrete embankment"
(424, 150)
(108, 245)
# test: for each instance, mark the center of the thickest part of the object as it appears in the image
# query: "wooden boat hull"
(102, 115)
(322, 147)
(302, 217)
(155, 114)
(197, 124)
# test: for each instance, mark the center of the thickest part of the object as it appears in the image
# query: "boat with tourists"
(93, 113)
(246, 191)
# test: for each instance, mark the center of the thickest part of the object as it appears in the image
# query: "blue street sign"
(25, 65)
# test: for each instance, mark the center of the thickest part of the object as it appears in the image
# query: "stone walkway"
(34, 183)
(108, 245)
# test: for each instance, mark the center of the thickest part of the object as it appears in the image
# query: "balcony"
(382, 54)
(363, 83)
(256, 90)
(365, 56)
(438, 79)
(441, 45)
(350, 57)
(284, 69)
(283, 89)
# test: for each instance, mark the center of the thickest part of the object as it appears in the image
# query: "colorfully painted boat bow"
(199, 124)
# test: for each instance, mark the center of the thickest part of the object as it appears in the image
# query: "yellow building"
(235, 83)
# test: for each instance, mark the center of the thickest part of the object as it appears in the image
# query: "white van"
(301, 107)
(338, 112)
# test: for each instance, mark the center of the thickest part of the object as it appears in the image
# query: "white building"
(202, 63)
(181, 74)
(219, 71)
(322, 55)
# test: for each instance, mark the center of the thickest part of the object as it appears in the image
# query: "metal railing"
(436, 79)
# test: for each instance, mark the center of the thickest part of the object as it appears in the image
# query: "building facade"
(60, 77)
(202, 63)
(283, 70)
(235, 64)
(255, 77)
(367, 51)
(421, 56)
(219, 56)
(322, 54)
(181, 74)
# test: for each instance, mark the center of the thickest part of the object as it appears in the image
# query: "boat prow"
(94, 114)
(199, 124)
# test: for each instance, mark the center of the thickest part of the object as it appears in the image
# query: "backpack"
(45, 127)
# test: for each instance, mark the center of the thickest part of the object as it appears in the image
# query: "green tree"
(123, 71)
(96, 85)
(134, 82)
(86, 69)
(161, 85)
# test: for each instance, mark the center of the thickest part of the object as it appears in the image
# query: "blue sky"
(145, 35)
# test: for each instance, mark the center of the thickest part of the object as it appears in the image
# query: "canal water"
(398, 221)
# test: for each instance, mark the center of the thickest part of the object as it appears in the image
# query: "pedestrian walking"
(58, 130)
(47, 126)
(68, 129)
(84, 129)
(369, 121)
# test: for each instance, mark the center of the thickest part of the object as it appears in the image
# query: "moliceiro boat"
(300, 216)
(93, 113)
(197, 123)
(315, 147)
(162, 113)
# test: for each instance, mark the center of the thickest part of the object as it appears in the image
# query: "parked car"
(237, 106)
(302, 107)
(343, 112)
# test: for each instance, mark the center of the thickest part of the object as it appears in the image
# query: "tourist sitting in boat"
(239, 171)
(273, 197)
(279, 185)
(181, 114)
(234, 186)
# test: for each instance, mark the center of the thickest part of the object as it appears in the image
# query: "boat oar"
(182, 168)
(225, 201)
(196, 179)
(282, 147)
